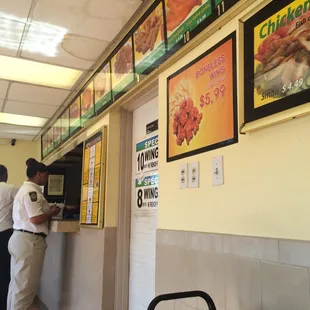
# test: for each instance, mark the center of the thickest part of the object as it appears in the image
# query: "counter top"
(65, 226)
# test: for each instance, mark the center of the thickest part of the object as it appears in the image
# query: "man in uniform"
(7, 195)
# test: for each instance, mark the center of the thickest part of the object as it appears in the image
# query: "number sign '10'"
(147, 155)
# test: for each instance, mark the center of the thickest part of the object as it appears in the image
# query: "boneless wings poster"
(202, 103)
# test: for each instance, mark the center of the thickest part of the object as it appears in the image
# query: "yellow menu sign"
(93, 181)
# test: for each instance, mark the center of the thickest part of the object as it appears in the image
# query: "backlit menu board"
(93, 187)
(202, 103)
(149, 40)
(160, 32)
(183, 16)
(102, 85)
(50, 140)
(57, 133)
(122, 69)
(277, 54)
(44, 145)
(187, 18)
(87, 103)
(65, 125)
(75, 115)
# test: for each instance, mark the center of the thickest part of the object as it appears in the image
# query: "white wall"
(143, 225)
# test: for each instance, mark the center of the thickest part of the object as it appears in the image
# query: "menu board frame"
(145, 16)
(77, 125)
(110, 101)
(66, 135)
(50, 135)
(44, 152)
(252, 113)
(91, 112)
(204, 147)
(217, 10)
(102, 181)
(117, 94)
(56, 125)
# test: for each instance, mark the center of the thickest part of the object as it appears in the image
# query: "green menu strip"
(150, 59)
(191, 23)
(87, 115)
(103, 101)
(75, 125)
(217, 2)
(65, 135)
(123, 84)
(56, 142)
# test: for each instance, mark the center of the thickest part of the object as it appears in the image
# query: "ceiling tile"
(10, 35)
(30, 109)
(3, 88)
(18, 130)
(98, 19)
(37, 94)
(1, 104)
(63, 59)
(16, 8)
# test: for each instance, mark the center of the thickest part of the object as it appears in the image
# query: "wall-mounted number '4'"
(220, 7)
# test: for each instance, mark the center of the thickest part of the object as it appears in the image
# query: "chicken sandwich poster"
(277, 62)
(202, 103)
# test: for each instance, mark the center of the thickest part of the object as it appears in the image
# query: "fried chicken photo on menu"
(100, 85)
(123, 63)
(178, 10)
(147, 33)
(284, 58)
(87, 100)
(185, 115)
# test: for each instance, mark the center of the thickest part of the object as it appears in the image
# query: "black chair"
(182, 295)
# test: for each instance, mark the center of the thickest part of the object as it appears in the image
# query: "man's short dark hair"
(3, 170)
(3, 173)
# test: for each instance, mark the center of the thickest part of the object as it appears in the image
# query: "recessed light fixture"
(41, 38)
(22, 120)
(32, 72)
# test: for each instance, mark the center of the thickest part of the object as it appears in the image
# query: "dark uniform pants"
(5, 259)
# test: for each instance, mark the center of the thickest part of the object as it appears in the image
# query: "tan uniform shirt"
(30, 202)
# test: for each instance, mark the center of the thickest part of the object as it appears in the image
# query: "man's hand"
(54, 210)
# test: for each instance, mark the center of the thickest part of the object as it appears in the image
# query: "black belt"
(32, 233)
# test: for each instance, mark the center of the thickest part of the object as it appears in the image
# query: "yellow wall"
(112, 120)
(266, 190)
(14, 158)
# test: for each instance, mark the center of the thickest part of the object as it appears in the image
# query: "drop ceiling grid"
(30, 108)
(96, 21)
(37, 94)
(17, 132)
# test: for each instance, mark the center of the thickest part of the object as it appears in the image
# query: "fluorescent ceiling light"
(22, 120)
(27, 71)
(41, 38)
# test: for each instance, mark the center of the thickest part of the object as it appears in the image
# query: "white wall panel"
(143, 226)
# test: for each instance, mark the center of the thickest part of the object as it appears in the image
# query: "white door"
(143, 208)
